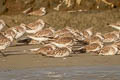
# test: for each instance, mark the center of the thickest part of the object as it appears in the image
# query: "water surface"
(63, 73)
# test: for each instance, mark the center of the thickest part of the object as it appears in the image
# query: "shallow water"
(63, 73)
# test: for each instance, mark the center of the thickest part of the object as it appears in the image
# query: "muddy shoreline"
(18, 59)
(98, 19)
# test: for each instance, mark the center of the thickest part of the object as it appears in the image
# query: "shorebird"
(60, 52)
(93, 47)
(44, 49)
(10, 33)
(115, 25)
(87, 33)
(35, 26)
(111, 36)
(20, 30)
(63, 41)
(39, 12)
(2, 24)
(42, 35)
(6, 38)
(109, 50)
(97, 37)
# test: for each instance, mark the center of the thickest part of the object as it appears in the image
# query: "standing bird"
(6, 38)
(35, 26)
(39, 12)
(20, 30)
(10, 33)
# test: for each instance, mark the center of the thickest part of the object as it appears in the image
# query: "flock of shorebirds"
(62, 42)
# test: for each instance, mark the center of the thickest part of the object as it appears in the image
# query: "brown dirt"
(98, 19)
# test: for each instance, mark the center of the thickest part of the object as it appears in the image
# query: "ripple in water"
(64, 73)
